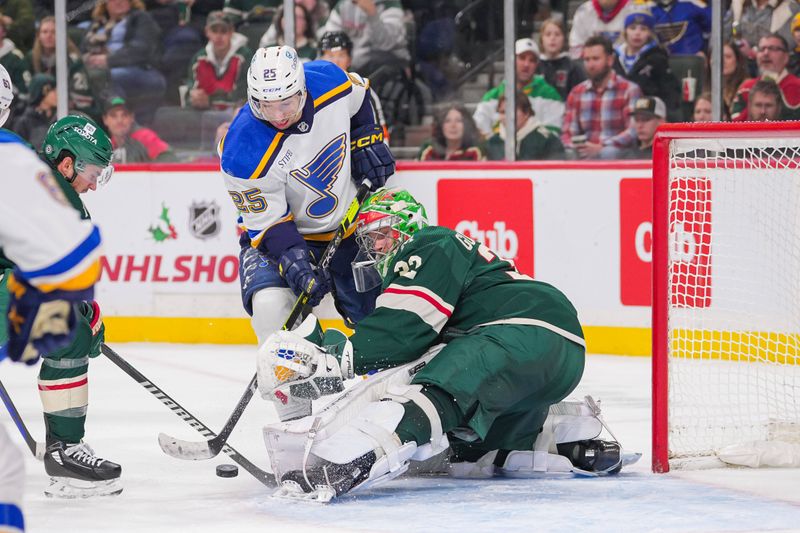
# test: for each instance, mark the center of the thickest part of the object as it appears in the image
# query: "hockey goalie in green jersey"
(464, 353)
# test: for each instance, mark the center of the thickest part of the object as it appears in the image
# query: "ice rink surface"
(163, 494)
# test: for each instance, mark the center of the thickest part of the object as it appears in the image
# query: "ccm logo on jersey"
(366, 140)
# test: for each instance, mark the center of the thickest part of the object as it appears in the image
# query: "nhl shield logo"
(204, 221)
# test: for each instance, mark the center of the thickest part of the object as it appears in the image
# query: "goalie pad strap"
(413, 393)
(384, 439)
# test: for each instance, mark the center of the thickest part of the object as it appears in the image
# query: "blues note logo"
(320, 174)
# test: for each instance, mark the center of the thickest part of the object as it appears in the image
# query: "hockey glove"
(370, 157)
(40, 323)
(91, 313)
(295, 267)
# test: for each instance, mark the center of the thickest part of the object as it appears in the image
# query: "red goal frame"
(660, 305)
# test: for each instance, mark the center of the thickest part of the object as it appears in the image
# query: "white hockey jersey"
(300, 175)
(39, 230)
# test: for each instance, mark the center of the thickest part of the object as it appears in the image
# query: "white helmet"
(275, 73)
(6, 95)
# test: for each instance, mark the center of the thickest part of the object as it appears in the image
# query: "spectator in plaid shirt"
(597, 123)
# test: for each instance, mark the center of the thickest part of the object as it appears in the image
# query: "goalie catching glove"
(370, 157)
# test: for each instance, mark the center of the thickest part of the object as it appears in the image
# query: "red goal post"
(726, 274)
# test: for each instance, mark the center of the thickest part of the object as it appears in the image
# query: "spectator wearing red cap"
(131, 142)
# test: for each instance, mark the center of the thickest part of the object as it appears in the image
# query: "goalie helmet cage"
(726, 289)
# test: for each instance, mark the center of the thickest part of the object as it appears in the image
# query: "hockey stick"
(36, 448)
(182, 449)
(263, 476)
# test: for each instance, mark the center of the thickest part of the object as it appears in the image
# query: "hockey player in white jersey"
(50, 272)
(46, 286)
(292, 160)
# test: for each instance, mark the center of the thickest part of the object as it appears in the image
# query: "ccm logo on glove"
(367, 140)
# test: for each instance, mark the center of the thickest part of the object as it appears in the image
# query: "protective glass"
(280, 111)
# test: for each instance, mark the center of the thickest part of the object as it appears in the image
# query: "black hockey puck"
(227, 470)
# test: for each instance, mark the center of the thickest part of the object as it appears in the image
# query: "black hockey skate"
(322, 483)
(599, 456)
(76, 472)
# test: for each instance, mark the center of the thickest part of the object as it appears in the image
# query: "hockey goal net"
(726, 289)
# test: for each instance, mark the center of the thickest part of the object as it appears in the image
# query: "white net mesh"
(734, 289)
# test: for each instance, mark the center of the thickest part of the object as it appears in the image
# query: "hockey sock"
(64, 429)
(64, 391)
(415, 425)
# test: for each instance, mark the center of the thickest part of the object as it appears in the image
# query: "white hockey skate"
(76, 472)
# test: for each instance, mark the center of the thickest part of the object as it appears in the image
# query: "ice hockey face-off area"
(163, 494)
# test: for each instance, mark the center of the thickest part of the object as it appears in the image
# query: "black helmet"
(333, 40)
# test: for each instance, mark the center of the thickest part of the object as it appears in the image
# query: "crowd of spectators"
(592, 82)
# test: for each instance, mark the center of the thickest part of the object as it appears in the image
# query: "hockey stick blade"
(206, 450)
(261, 475)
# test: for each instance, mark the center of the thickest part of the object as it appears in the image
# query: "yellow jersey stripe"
(81, 281)
(272, 146)
(333, 92)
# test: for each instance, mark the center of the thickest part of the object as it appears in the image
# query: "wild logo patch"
(204, 220)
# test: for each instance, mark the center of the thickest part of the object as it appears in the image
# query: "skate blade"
(289, 490)
(69, 488)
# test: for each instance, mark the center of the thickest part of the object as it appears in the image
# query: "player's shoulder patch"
(250, 146)
(48, 182)
(326, 83)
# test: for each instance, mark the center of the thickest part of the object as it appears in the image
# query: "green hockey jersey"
(443, 284)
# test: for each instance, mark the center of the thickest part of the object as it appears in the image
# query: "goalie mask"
(388, 218)
(276, 86)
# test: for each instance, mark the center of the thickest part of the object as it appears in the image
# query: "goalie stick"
(181, 449)
(36, 448)
(263, 476)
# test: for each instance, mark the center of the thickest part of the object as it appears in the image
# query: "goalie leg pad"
(363, 453)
